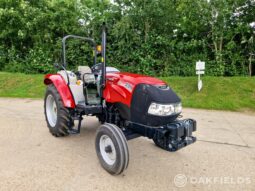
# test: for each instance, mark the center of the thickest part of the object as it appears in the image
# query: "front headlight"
(165, 109)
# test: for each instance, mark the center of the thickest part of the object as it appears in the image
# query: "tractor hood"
(135, 79)
(134, 93)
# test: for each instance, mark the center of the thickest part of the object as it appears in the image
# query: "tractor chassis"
(170, 137)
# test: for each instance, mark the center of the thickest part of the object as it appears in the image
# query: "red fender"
(62, 89)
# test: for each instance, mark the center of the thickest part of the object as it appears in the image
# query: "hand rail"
(76, 37)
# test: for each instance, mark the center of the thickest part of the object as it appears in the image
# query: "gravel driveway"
(223, 158)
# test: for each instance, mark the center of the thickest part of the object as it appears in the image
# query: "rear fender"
(62, 88)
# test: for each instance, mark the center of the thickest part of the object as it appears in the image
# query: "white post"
(200, 67)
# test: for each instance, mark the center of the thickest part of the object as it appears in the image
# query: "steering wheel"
(96, 69)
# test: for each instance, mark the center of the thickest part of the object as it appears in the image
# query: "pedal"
(73, 131)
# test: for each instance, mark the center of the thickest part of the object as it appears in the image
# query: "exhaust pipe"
(103, 57)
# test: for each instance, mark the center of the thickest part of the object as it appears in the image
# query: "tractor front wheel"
(112, 149)
(57, 116)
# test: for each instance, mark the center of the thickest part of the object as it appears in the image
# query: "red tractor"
(127, 105)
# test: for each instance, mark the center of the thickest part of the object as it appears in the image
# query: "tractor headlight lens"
(165, 109)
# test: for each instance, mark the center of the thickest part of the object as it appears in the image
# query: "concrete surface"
(223, 158)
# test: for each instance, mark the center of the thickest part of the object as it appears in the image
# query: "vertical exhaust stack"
(103, 57)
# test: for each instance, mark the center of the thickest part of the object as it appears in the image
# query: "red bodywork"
(62, 88)
(119, 87)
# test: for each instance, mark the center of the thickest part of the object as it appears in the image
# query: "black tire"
(120, 145)
(63, 120)
(156, 143)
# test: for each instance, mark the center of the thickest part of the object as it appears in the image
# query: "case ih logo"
(126, 85)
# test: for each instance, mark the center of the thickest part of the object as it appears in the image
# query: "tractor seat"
(89, 87)
(86, 75)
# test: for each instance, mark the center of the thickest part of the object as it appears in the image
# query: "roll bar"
(103, 56)
(93, 43)
(76, 37)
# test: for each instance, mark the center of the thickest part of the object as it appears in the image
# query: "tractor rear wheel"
(112, 149)
(57, 116)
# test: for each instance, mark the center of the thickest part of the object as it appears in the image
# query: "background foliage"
(159, 37)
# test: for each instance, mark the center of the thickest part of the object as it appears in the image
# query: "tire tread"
(63, 118)
(122, 150)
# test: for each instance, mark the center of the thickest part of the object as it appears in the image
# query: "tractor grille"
(143, 96)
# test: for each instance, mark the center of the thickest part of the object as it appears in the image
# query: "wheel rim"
(107, 149)
(51, 110)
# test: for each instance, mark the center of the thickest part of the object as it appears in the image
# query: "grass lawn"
(21, 85)
(223, 93)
